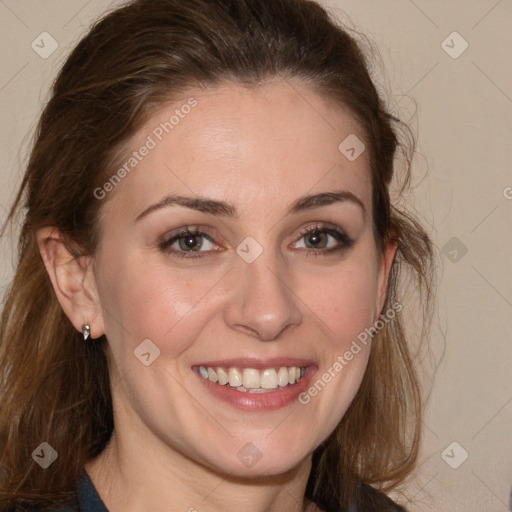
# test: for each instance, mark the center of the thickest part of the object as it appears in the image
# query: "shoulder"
(368, 499)
(30, 508)
(374, 500)
(88, 500)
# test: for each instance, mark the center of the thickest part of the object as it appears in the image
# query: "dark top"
(90, 501)
(89, 498)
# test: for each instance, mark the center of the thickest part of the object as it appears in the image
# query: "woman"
(206, 311)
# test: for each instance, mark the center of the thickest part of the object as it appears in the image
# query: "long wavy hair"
(55, 387)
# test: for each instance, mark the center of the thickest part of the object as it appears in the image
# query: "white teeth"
(269, 379)
(235, 378)
(222, 376)
(252, 380)
(282, 376)
(212, 375)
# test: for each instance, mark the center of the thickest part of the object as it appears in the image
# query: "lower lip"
(260, 401)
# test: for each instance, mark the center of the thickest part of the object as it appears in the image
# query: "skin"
(174, 445)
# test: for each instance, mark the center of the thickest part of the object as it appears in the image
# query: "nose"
(262, 302)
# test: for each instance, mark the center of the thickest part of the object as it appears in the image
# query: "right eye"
(187, 241)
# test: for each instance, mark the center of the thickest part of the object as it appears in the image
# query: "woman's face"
(276, 290)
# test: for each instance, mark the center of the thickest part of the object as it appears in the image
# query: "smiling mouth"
(252, 380)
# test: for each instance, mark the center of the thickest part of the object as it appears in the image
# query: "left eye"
(325, 239)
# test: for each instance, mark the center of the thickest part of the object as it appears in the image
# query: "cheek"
(151, 301)
(343, 304)
(344, 301)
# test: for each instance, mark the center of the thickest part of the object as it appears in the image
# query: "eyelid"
(325, 226)
(166, 241)
(194, 229)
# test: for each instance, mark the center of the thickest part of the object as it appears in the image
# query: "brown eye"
(320, 240)
(316, 239)
(192, 242)
(188, 241)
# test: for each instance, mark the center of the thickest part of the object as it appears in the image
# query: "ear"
(73, 281)
(384, 267)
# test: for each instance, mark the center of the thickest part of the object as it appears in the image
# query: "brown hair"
(55, 387)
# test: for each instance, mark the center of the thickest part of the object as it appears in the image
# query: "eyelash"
(339, 235)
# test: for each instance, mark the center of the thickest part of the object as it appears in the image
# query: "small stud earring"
(86, 331)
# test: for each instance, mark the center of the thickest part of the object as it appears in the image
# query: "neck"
(127, 481)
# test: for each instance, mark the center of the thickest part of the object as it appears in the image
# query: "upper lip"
(259, 364)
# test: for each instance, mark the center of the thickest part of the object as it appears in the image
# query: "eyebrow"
(222, 208)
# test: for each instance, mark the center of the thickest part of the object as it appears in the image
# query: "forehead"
(271, 143)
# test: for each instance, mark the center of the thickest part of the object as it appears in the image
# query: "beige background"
(463, 192)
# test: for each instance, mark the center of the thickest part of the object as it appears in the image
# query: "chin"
(251, 462)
